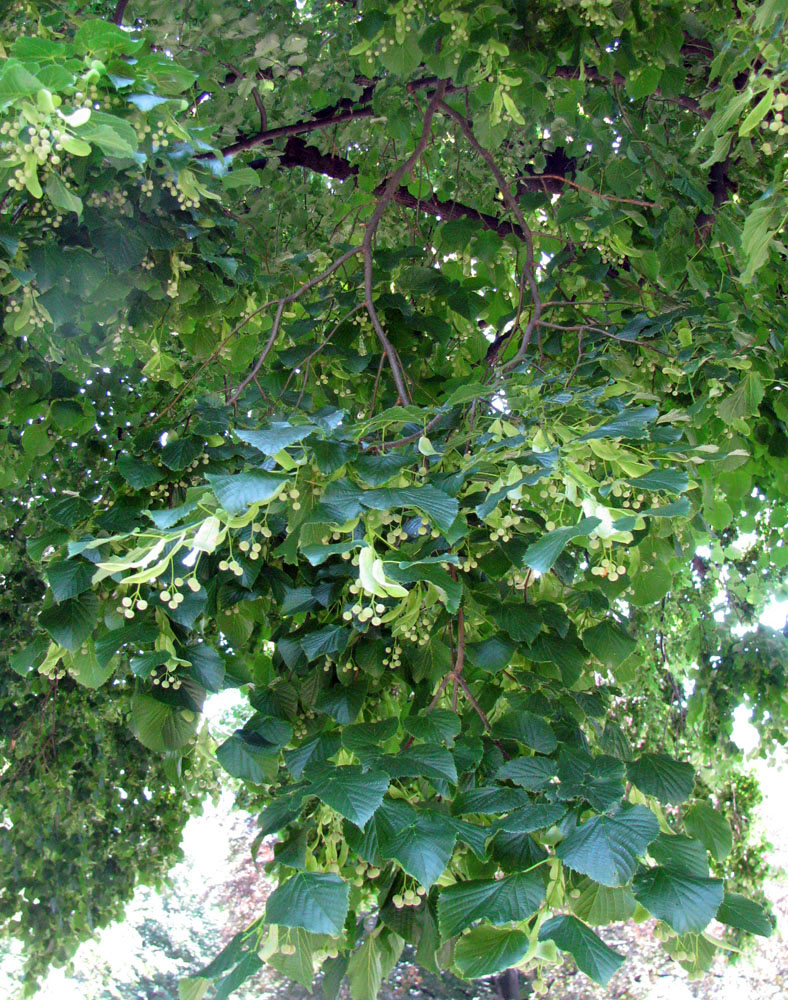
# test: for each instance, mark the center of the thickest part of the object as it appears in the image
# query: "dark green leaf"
(352, 792)
(590, 952)
(515, 897)
(671, 781)
(607, 848)
(685, 902)
(312, 900)
(71, 622)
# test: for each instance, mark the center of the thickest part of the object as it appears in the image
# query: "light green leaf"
(599, 904)
(487, 950)
(236, 493)
(162, 727)
(365, 970)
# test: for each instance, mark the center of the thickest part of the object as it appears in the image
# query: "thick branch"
(120, 10)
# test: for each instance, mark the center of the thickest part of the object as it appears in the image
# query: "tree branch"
(120, 10)
(510, 202)
(384, 200)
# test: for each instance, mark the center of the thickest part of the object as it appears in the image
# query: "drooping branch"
(384, 200)
(510, 201)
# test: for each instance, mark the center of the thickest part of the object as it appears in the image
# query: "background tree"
(395, 364)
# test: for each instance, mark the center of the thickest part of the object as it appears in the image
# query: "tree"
(394, 363)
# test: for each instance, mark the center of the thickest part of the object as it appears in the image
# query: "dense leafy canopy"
(416, 369)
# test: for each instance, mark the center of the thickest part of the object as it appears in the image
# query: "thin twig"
(587, 190)
(287, 300)
(371, 228)
(511, 203)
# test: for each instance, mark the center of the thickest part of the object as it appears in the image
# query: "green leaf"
(542, 554)
(685, 902)
(207, 666)
(522, 623)
(243, 757)
(671, 781)
(680, 854)
(632, 423)
(326, 641)
(61, 195)
(607, 848)
(592, 955)
(421, 761)
(652, 585)
(276, 437)
(72, 621)
(162, 727)
(315, 901)
(178, 455)
(69, 578)
(599, 780)
(114, 136)
(599, 904)
(644, 83)
(421, 842)
(30, 656)
(667, 480)
(738, 911)
(350, 791)
(437, 505)
(532, 773)
(567, 655)
(515, 897)
(236, 493)
(527, 819)
(491, 655)
(101, 38)
(744, 401)
(87, 670)
(490, 800)
(342, 703)
(438, 726)
(487, 950)
(526, 728)
(138, 473)
(711, 829)
(334, 970)
(609, 643)
(365, 737)
(365, 970)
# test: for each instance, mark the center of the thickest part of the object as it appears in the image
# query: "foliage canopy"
(416, 369)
